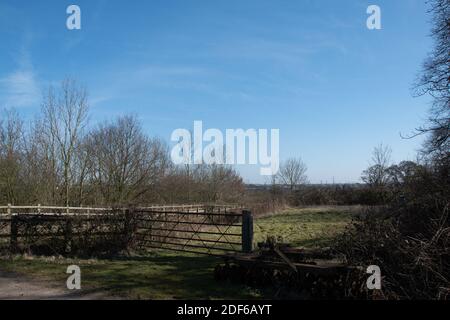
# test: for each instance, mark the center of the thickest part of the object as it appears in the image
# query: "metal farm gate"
(208, 231)
(212, 230)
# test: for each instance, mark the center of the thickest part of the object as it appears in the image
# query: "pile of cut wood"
(298, 273)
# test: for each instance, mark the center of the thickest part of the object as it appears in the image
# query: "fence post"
(128, 231)
(68, 235)
(13, 231)
(247, 231)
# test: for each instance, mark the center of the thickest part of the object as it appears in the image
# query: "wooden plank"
(285, 259)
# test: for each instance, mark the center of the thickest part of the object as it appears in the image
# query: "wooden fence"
(205, 229)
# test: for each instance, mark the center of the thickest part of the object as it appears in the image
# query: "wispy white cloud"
(290, 53)
(20, 87)
(123, 80)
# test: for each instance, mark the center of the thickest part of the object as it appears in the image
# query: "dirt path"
(16, 287)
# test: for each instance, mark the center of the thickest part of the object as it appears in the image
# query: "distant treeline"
(383, 185)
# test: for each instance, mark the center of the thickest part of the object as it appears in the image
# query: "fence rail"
(9, 209)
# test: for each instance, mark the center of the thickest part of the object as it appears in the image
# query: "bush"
(409, 239)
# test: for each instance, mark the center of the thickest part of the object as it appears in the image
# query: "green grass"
(158, 275)
(169, 275)
(310, 227)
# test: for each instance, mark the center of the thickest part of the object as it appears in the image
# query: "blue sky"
(309, 68)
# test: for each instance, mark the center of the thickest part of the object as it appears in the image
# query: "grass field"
(168, 275)
(311, 227)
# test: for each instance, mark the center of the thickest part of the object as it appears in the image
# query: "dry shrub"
(409, 239)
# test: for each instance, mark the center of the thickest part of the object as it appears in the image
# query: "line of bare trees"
(58, 158)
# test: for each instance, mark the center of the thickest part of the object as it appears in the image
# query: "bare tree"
(65, 116)
(382, 156)
(11, 139)
(378, 173)
(293, 173)
(217, 183)
(126, 164)
(82, 166)
(435, 81)
(42, 166)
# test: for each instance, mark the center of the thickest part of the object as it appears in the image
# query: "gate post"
(247, 231)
